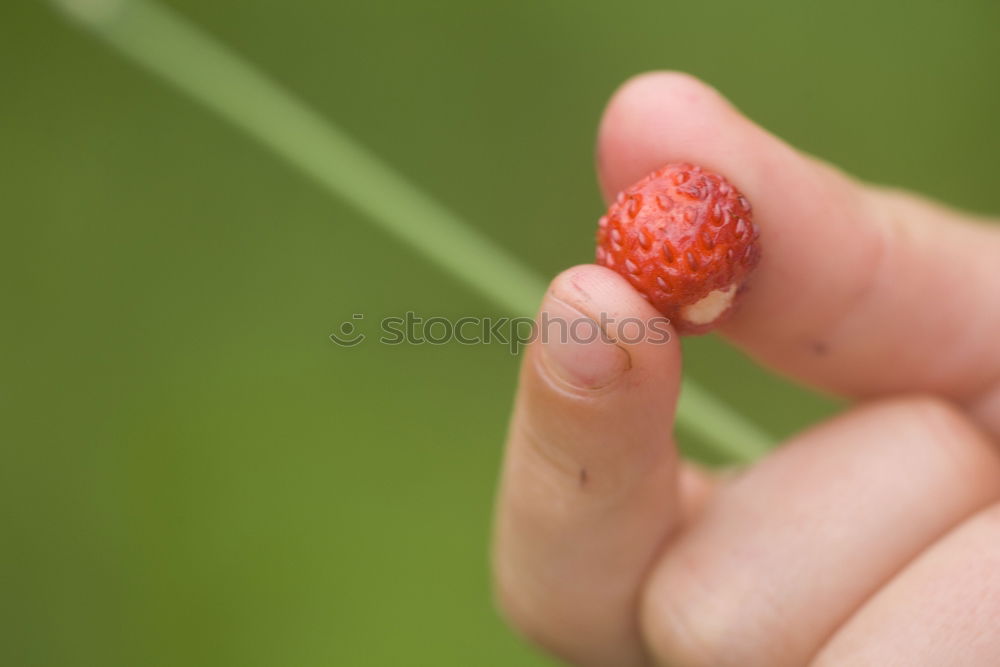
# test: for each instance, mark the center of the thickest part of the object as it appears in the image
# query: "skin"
(870, 539)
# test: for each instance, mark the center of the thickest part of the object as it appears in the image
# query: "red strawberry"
(685, 238)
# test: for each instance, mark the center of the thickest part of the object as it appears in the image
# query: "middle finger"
(784, 553)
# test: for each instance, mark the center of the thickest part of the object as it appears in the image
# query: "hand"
(872, 539)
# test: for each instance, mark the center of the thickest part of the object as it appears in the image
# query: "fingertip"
(597, 289)
(660, 88)
(597, 335)
(640, 113)
(575, 350)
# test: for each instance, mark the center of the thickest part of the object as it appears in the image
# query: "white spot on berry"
(710, 307)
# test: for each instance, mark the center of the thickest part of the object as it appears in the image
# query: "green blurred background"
(192, 474)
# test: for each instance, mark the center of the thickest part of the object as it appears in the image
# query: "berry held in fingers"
(684, 237)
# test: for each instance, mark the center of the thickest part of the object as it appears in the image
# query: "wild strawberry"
(685, 238)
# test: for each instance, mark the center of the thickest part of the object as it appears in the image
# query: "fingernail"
(576, 350)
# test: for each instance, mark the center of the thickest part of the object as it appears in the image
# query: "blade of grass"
(169, 46)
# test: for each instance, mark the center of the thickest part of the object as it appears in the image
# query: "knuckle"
(685, 622)
(938, 417)
(556, 478)
(520, 595)
(991, 515)
(947, 425)
(538, 618)
(513, 607)
(874, 260)
(951, 436)
(548, 459)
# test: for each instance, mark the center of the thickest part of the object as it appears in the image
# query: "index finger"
(860, 290)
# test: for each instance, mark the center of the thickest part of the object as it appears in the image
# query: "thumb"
(590, 482)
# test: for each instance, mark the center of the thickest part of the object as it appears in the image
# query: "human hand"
(871, 539)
